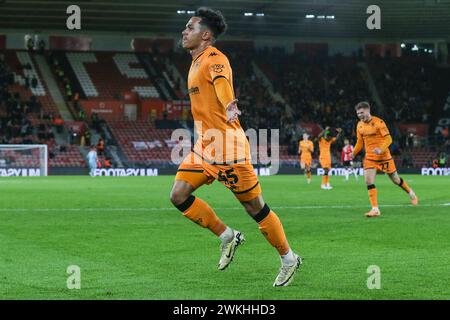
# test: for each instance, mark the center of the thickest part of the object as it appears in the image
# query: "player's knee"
(260, 213)
(250, 208)
(177, 196)
(254, 206)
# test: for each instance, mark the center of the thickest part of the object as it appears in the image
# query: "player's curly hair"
(213, 20)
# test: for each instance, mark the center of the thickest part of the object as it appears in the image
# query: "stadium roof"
(400, 19)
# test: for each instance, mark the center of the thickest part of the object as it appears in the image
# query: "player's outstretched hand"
(232, 111)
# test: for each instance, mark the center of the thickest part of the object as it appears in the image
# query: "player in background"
(347, 160)
(305, 150)
(92, 160)
(214, 106)
(373, 135)
(324, 139)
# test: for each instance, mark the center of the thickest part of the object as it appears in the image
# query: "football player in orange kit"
(373, 134)
(305, 150)
(214, 109)
(324, 139)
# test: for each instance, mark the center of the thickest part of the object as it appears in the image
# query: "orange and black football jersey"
(209, 114)
(373, 134)
(303, 146)
(325, 146)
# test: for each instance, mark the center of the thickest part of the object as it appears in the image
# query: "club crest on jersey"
(217, 68)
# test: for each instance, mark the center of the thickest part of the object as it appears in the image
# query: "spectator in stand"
(30, 44)
(444, 134)
(442, 160)
(410, 141)
(101, 146)
(81, 115)
(95, 121)
(49, 133)
(407, 161)
(87, 136)
(435, 163)
(41, 45)
(68, 92)
(107, 163)
(58, 122)
(76, 102)
(72, 136)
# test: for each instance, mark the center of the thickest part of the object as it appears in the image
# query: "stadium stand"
(141, 142)
(319, 90)
(27, 110)
(108, 75)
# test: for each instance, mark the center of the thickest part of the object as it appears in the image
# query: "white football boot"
(287, 272)
(228, 249)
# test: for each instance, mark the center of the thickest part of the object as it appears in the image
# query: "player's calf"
(373, 197)
(272, 229)
(308, 175)
(412, 196)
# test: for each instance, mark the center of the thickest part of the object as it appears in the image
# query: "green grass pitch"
(130, 243)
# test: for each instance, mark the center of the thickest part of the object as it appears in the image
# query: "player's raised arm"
(322, 133)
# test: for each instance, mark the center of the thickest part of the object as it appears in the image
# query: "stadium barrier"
(20, 172)
(122, 172)
(435, 172)
(172, 170)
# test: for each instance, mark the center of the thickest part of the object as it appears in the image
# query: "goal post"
(23, 160)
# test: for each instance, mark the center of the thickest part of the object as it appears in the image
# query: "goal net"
(23, 160)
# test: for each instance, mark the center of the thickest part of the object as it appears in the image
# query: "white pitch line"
(229, 208)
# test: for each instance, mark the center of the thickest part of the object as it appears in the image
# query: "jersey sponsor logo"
(212, 54)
